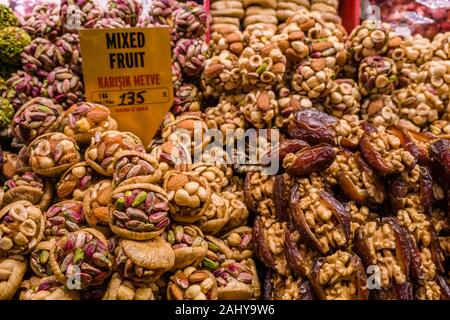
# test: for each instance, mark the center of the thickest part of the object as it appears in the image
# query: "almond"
(66, 188)
(237, 48)
(176, 182)
(232, 37)
(278, 68)
(98, 115)
(293, 55)
(296, 35)
(167, 147)
(318, 64)
(374, 107)
(341, 57)
(213, 71)
(104, 196)
(263, 101)
(9, 165)
(188, 124)
(322, 46)
(307, 25)
(177, 293)
(267, 49)
(197, 277)
(101, 213)
(395, 41)
(284, 45)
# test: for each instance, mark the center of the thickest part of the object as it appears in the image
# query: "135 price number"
(132, 98)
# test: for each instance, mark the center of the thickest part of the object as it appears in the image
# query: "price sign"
(129, 71)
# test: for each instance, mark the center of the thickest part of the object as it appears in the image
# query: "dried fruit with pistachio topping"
(191, 54)
(143, 262)
(81, 259)
(43, 21)
(237, 280)
(21, 228)
(139, 211)
(63, 217)
(63, 86)
(110, 23)
(21, 87)
(187, 98)
(76, 14)
(161, 11)
(238, 243)
(40, 258)
(30, 187)
(45, 288)
(126, 10)
(135, 167)
(106, 145)
(34, 118)
(53, 153)
(190, 20)
(188, 245)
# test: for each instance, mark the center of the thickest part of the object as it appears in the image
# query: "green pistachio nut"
(140, 198)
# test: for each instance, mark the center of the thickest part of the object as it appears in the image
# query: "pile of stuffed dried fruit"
(358, 207)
